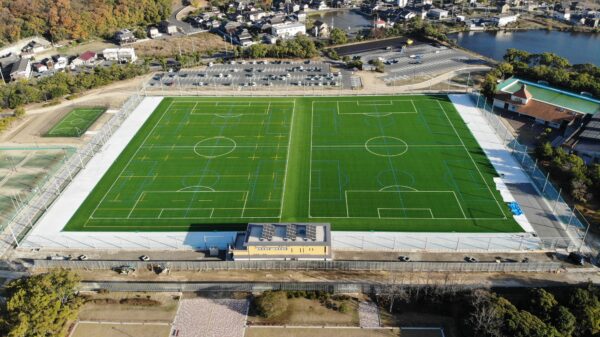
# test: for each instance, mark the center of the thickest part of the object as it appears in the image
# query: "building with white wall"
(288, 30)
(120, 54)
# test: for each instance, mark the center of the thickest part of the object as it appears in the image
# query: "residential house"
(437, 13)
(40, 67)
(244, 38)
(503, 8)
(125, 36)
(86, 59)
(120, 55)
(168, 28)
(503, 20)
(288, 30)
(406, 15)
(21, 69)
(320, 30)
(564, 15)
(401, 3)
(60, 62)
(153, 32)
(378, 23)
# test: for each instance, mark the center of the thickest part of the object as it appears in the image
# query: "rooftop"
(287, 234)
(552, 96)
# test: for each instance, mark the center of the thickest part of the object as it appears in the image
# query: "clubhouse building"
(546, 105)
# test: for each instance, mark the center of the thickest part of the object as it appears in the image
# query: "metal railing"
(200, 266)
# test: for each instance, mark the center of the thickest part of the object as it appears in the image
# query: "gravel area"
(368, 314)
(201, 317)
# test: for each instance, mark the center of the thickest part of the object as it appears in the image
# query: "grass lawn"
(75, 123)
(303, 311)
(118, 330)
(315, 332)
(401, 163)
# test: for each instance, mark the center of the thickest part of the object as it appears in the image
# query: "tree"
(544, 150)
(563, 320)
(484, 319)
(542, 303)
(272, 303)
(40, 305)
(506, 69)
(338, 36)
(19, 111)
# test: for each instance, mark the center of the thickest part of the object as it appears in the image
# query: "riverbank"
(576, 47)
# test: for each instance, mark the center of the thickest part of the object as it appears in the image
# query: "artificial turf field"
(75, 123)
(400, 163)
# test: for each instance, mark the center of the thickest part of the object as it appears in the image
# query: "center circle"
(386, 146)
(215, 147)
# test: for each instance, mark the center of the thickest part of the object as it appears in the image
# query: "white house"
(60, 62)
(503, 20)
(402, 3)
(120, 54)
(153, 32)
(86, 59)
(20, 69)
(437, 13)
(288, 30)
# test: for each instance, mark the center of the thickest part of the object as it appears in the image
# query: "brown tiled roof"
(546, 112)
(523, 93)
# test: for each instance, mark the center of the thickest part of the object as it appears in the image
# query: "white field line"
(287, 161)
(471, 157)
(130, 158)
(403, 208)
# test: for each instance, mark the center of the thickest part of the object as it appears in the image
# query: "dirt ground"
(459, 279)
(201, 42)
(303, 311)
(412, 318)
(121, 330)
(39, 119)
(320, 332)
(129, 313)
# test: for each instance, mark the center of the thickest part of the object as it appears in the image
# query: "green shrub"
(272, 303)
(344, 308)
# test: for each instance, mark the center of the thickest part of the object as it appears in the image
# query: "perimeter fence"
(202, 266)
(569, 217)
(29, 211)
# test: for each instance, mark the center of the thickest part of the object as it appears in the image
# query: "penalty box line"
(374, 191)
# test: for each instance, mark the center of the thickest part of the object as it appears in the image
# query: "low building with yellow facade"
(283, 241)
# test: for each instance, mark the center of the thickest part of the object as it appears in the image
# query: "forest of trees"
(301, 46)
(556, 70)
(76, 19)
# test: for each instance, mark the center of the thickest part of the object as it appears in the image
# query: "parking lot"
(418, 60)
(256, 74)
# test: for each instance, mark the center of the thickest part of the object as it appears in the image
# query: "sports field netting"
(75, 123)
(404, 163)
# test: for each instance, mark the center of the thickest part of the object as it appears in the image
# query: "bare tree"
(484, 318)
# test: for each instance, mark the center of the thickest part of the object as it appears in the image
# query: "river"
(576, 47)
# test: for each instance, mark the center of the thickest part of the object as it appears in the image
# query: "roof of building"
(523, 93)
(19, 66)
(553, 96)
(295, 234)
(88, 55)
(539, 110)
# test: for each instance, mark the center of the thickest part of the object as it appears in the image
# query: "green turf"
(404, 163)
(75, 123)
